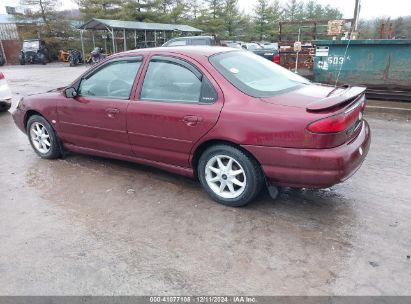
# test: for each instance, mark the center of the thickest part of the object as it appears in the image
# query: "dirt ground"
(86, 225)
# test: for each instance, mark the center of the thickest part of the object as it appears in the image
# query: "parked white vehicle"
(5, 94)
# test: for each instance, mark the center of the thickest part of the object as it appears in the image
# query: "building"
(126, 35)
(9, 38)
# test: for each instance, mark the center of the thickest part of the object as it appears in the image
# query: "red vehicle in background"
(230, 118)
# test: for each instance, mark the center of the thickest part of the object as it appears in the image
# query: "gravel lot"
(87, 225)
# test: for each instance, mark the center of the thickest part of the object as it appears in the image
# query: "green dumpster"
(378, 64)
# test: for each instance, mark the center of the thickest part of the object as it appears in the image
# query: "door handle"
(191, 120)
(111, 112)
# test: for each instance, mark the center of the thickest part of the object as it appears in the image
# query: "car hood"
(56, 90)
(316, 97)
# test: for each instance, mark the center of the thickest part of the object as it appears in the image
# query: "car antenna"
(354, 27)
(345, 54)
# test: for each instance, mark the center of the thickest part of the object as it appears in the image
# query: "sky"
(369, 8)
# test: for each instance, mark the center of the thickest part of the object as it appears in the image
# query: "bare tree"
(44, 9)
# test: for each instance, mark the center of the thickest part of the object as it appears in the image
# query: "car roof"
(203, 51)
(193, 37)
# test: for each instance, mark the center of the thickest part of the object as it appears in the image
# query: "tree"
(266, 17)
(138, 10)
(276, 14)
(178, 11)
(44, 9)
(216, 7)
(100, 8)
(164, 5)
(294, 10)
(262, 15)
(232, 17)
(211, 18)
(331, 13)
(195, 7)
(399, 29)
(313, 10)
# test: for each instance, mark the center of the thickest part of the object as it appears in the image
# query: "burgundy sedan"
(230, 118)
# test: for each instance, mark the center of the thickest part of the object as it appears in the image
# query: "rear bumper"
(313, 168)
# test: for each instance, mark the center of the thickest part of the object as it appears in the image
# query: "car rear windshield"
(255, 75)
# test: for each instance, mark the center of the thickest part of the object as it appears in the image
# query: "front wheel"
(42, 138)
(229, 175)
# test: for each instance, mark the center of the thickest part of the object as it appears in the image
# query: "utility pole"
(354, 25)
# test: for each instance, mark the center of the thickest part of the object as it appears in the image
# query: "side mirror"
(70, 92)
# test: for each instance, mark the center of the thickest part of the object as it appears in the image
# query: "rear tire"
(42, 137)
(230, 176)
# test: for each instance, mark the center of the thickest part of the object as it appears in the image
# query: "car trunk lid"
(316, 97)
(336, 112)
(336, 98)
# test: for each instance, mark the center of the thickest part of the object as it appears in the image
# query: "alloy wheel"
(225, 176)
(40, 138)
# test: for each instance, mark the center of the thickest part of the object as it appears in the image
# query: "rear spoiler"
(346, 95)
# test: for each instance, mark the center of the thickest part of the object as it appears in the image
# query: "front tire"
(42, 138)
(230, 176)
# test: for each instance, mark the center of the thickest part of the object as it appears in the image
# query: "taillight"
(339, 122)
(1, 76)
(276, 59)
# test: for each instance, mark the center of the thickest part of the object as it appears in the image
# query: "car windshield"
(31, 44)
(234, 45)
(253, 46)
(269, 46)
(255, 75)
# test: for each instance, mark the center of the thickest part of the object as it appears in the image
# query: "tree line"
(221, 18)
(401, 27)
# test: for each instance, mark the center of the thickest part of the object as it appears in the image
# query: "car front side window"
(114, 80)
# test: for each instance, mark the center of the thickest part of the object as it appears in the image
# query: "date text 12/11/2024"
(203, 299)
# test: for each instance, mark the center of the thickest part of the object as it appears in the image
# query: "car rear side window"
(171, 81)
(114, 80)
(255, 75)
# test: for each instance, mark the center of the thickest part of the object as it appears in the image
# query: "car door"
(175, 105)
(96, 118)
